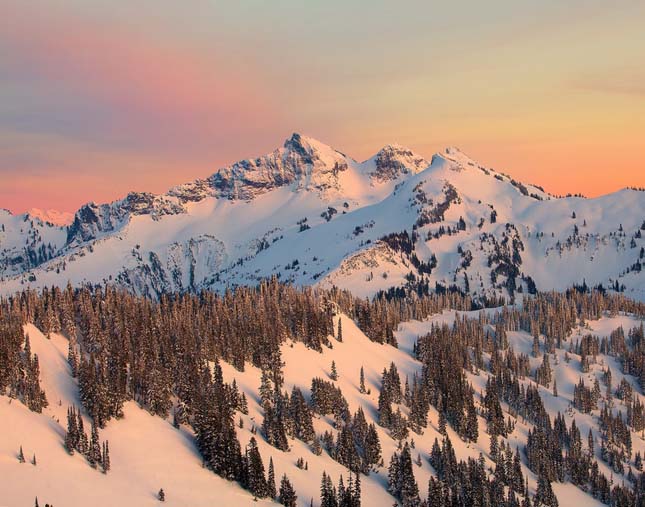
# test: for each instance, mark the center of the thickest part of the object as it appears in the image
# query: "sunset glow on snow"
(97, 100)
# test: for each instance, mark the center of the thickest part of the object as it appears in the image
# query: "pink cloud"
(144, 82)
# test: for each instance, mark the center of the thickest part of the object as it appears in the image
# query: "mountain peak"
(394, 147)
(453, 150)
(299, 142)
(306, 148)
(454, 154)
(401, 152)
(302, 161)
(394, 160)
(310, 149)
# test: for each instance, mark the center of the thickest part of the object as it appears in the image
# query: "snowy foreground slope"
(310, 214)
(148, 453)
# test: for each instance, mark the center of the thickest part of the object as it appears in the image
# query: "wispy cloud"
(621, 81)
(106, 97)
(119, 85)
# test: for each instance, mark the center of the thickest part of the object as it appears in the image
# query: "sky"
(100, 97)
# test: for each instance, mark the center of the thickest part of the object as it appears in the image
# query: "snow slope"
(148, 452)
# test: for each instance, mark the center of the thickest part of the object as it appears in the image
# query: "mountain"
(309, 214)
(452, 398)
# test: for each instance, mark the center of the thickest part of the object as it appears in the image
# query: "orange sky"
(98, 98)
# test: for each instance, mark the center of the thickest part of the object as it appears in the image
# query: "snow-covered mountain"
(310, 214)
(147, 373)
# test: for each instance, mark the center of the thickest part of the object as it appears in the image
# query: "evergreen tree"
(494, 413)
(287, 495)
(72, 356)
(273, 425)
(442, 423)
(372, 447)
(94, 451)
(536, 346)
(266, 389)
(544, 496)
(161, 495)
(316, 447)
(435, 493)
(301, 421)
(385, 408)
(356, 493)
(271, 488)
(340, 496)
(83, 442)
(256, 481)
(105, 461)
(401, 482)
(345, 451)
(72, 437)
(399, 426)
(334, 373)
(243, 405)
(215, 428)
(543, 373)
(327, 492)
(350, 496)
(361, 385)
(472, 426)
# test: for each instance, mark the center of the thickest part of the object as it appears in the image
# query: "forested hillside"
(314, 396)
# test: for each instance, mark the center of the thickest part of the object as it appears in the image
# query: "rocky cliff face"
(92, 220)
(180, 267)
(301, 162)
(394, 161)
